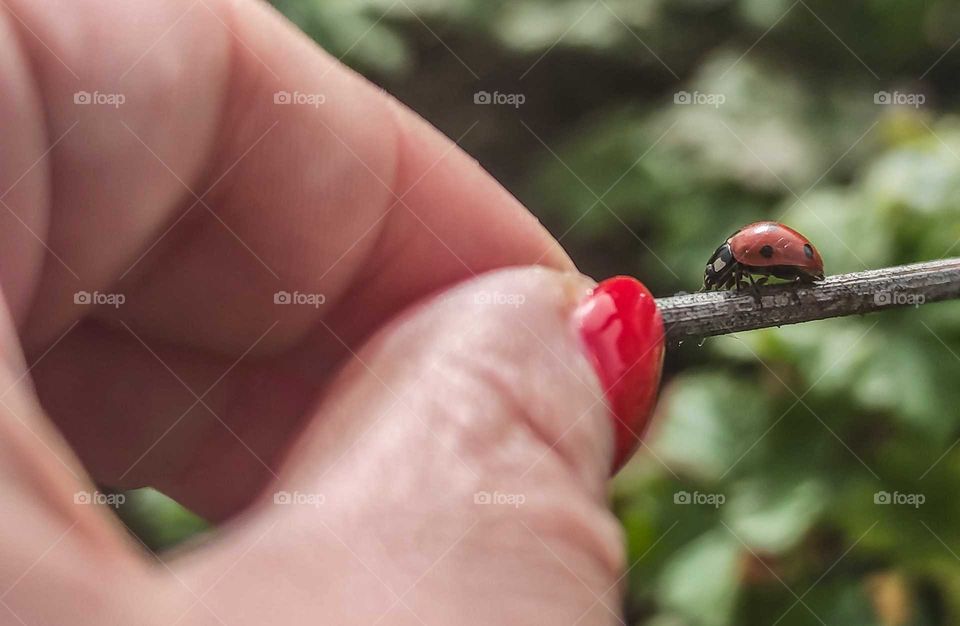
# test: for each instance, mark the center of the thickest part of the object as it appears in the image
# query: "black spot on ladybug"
(766, 251)
(808, 250)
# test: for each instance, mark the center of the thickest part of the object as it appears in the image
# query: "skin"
(398, 399)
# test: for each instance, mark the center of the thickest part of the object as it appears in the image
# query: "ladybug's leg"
(753, 287)
(741, 284)
(759, 282)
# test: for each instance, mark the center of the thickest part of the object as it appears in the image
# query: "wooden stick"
(719, 313)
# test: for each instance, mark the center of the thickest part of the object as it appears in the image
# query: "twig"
(719, 313)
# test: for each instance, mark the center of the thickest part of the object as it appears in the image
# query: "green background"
(795, 430)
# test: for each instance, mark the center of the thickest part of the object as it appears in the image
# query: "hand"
(371, 459)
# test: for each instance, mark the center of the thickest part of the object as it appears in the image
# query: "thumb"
(460, 463)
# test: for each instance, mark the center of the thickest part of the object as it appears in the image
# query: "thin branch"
(720, 313)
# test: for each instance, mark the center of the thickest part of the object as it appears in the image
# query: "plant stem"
(722, 312)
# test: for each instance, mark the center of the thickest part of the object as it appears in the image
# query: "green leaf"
(708, 422)
(702, 579)
(772, 513)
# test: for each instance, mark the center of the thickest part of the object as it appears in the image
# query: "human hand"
(197, 200)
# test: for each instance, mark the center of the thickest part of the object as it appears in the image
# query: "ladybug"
(766, 248)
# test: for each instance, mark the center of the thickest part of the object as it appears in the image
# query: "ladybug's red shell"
(764, 249)
(765, 244)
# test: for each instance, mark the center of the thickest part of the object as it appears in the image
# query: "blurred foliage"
(159, 522)
(797, 429)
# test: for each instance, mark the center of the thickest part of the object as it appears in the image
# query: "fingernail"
(622, 332)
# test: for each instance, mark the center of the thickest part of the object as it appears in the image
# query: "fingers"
(500, 350)
(197, 199)
(159, 165)
(185, 183)
(55, 540)
(24, 179)
(459, 461)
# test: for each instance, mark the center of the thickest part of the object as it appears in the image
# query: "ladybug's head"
(718, 267)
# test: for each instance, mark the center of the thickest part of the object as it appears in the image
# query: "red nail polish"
(623, 333)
